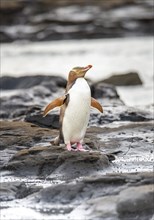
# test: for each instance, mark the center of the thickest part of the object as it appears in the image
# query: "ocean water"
(108, 57)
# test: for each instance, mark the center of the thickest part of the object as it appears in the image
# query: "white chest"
(80, 92)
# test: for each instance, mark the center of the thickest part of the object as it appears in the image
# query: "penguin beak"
(87, 68)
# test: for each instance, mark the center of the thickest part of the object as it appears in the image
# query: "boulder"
(103, 90)
(16, 190)
(50, 121)
(126, 79)
(136, 201)
(26, 82)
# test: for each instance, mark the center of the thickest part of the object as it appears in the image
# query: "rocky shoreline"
(77, 19)
(113, 180)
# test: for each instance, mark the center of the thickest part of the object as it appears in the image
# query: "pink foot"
(80, 147)
(69, 148)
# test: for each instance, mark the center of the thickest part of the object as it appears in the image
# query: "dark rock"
(121, 205)
(134, 116)
(56, 162)
(54, 159)
(22, 134)
(102, 90)
(16, 190)
(119, 180)
(12, 109)
(119, 114)
(65, 193)
(42, 91)
(28, 98)
(32, 93)
(136, 202)
(9, 191)
(5, 37)
(128, 79)
(21, 105)
(50, 121)
(26, 82)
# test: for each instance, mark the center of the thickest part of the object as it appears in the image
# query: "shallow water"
(108, 56)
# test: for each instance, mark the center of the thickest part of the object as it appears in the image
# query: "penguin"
(75, 107)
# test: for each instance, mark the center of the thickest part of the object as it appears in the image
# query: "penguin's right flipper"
(96, 104)
(55, 103)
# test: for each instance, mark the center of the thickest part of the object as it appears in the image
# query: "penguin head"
(78, 72)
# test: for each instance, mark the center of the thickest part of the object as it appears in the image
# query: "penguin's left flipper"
(55, 103)
(96, 104)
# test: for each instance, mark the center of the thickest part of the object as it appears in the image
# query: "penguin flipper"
(96, 104)
(55, 103)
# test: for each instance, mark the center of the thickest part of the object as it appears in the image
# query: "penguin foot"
(69, 148)
(80, 147)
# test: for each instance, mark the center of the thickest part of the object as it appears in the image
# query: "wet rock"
(17, 109)
(102, 90)
(42, 91)
(29, 96)
(120, 206)
(134, 116)
(56, 162)
(48, 20)
(9, 190)
(119, 113)
(77, 184)
(105, 206)
(20, 133)
(128, 79)
(26, 82)
(45, 160)
(5, 37)
(16, 190)
(136, 201)
(50, 121)
(28, 104)
(65, 192)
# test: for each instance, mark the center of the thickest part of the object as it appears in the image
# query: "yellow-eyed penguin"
(75, 109)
